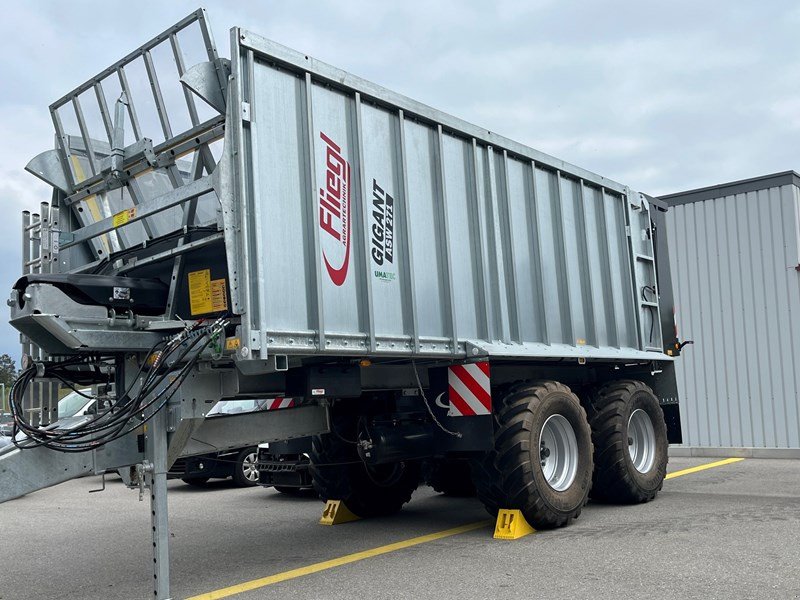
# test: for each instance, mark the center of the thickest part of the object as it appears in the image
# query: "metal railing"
(100, 178)
(116, 198)
(38, 256)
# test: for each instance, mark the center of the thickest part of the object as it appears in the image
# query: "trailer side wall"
(377, 225)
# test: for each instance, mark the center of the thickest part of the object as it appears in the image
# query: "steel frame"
(108, 166)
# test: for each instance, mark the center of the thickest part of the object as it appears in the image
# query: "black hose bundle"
(129, 411)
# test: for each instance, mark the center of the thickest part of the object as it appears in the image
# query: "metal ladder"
(39, 255)
(643, 266)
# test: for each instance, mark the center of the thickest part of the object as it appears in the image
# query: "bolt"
(630, 441)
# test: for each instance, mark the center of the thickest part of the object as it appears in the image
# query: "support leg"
(156, 453)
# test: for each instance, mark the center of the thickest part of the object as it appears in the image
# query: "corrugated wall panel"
(413, 233)
(737, 294)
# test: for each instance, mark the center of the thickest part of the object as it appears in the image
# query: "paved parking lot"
(726, 532)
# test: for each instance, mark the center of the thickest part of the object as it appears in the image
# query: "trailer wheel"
(450, 477)
(338, 473)
(542, 461)
(630, 442)
(488, 480)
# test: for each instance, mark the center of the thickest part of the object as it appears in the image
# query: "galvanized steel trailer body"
(524, 255)
(343, 241)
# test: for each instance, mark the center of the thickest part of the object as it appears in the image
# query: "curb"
(725, 452)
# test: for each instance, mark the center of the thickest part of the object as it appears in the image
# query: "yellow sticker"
(219, 295)
(200, 292)
(233, 343)
(119, 219)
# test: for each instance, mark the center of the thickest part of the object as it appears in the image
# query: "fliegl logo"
(334, 212)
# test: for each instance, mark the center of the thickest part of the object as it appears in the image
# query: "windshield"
(72, 403)
(232, 407)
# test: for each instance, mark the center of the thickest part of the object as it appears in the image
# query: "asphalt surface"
(727, 532)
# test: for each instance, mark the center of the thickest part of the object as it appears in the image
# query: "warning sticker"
(233, 343)
(200, 301)
(219, 295)
(123, 217)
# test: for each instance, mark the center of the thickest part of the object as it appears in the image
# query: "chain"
(428, 406)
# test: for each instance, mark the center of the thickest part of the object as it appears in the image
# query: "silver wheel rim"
(250, 467)
(641, 441)
(558, 452)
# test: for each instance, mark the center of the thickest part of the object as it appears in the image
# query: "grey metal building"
(735, 262)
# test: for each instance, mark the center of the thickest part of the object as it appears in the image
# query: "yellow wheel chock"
(511, 525)
(336, 513)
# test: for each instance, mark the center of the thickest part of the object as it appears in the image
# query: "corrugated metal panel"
(492, 244)
(737, 295)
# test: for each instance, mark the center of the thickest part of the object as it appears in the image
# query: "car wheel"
(245, 473)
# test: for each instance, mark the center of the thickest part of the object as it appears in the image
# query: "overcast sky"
(661, 99)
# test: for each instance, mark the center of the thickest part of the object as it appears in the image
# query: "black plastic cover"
(142, 296)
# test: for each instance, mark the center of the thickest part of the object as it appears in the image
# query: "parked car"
(79, 402)
(6, 423)
(284, 465)
(240, 464)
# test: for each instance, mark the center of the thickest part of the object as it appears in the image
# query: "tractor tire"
(450, 477)
(630, 442)
(338, 473)
(488, 480)
(542, 460)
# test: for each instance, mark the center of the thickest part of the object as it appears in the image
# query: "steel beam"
(156, 468)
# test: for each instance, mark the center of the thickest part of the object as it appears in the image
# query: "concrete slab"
(727, 532)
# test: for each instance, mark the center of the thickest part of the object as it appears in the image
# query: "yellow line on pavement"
(364, 554)
(710, 465)
(336, 562)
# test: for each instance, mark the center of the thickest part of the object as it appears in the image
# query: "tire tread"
(337, 473)
(504, 477)
(607, 408)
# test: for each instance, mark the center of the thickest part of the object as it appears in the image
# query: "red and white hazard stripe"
(277, 403)
(469, 390)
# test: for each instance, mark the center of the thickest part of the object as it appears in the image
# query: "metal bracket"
(48, 167)
(473, 350)
(112, 166)
(209, 81)
(142, 469)
(101, 488)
